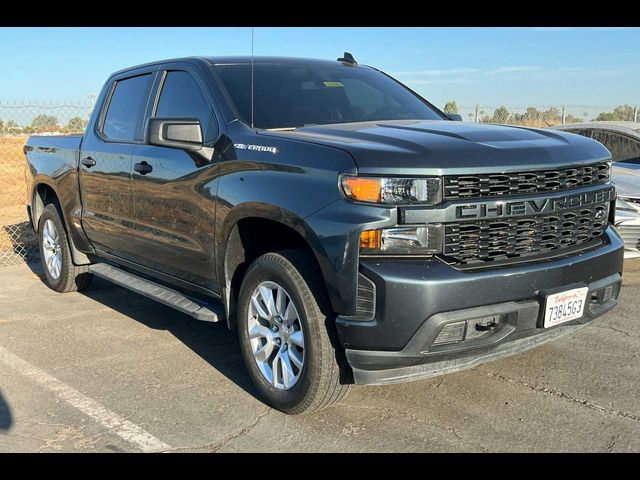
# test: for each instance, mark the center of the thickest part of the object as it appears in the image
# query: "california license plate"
(564, 306)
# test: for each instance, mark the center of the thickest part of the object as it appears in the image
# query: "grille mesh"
(495, 185)
(501, 239)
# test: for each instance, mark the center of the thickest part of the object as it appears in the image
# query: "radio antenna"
(252, 78)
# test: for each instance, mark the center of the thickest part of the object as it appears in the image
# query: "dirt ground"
(13, 188)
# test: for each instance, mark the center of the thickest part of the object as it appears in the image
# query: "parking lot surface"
(107, 370)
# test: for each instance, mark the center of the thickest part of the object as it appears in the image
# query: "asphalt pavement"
(107, 370)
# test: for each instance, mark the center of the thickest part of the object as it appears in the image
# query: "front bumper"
(415, 298)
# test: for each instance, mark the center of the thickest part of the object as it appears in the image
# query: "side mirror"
(456, 117)
(182, 133)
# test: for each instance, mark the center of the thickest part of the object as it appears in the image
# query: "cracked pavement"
(184, 383)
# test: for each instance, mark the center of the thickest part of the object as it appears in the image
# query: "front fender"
(336, 229)
(267, 212)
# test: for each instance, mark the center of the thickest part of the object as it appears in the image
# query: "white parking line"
(112, 421)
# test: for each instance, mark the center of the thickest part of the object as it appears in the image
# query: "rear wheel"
(286, 334)
(55, 254)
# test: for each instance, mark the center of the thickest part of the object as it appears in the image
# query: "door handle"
(143, 168)
(88, 162)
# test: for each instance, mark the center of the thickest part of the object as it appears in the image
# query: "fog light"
(451, 333)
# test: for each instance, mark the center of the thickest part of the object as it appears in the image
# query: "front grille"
(494, 240)
(500, 184)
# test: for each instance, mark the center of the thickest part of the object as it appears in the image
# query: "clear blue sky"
(510, 66)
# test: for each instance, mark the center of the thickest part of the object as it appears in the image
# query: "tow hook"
(487, 327)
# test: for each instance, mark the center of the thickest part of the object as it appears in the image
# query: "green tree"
(76, 124)
(44, 122)
(451, 107)
(500, 115)
(1, 126)
(12, 127)
(532, 114)
(552, 114)
(620, 113)
(571, 119)
(625, 112)
(607, 117)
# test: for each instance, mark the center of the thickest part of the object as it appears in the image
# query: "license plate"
(565, 306)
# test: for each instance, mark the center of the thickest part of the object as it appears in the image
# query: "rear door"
(173, 207)
(106, 165)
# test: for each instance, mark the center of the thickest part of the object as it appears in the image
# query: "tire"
(64, 276)
(322, 379)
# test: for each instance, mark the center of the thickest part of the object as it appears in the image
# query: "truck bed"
(46, 143)
(53, 161)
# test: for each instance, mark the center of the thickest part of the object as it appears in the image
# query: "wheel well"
(250, 238)
(43, 196)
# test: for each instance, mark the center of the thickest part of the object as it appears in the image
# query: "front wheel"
(286, 335)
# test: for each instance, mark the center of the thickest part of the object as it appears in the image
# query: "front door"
(106, 163)
(173, 191)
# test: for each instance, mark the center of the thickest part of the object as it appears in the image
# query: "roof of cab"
(266, 60)
(229, 60)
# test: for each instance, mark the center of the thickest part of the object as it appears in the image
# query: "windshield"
(289, 96)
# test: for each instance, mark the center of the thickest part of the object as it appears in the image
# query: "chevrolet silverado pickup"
(347, 229)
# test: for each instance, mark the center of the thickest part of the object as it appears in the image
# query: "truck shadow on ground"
(213, 342)
(18, 242)
(6, 419)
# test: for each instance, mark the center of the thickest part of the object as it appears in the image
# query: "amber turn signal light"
(371, 239)
(362, 189)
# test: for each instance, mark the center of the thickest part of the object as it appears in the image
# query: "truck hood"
(437, 147)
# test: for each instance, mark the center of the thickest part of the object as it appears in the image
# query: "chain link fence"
(18, 243)
(542, 116)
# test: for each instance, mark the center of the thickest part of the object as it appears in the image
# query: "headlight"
(420, 240)
(392, 190)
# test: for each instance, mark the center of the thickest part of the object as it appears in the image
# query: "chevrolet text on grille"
(533, 207)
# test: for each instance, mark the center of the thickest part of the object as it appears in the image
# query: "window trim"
(156, 101)
(107, 104)
(164, 73)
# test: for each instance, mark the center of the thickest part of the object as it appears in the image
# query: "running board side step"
(159, 293)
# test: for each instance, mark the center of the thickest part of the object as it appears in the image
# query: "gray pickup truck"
(349, 230)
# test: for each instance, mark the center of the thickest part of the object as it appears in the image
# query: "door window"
(123, 120)
(181, 96)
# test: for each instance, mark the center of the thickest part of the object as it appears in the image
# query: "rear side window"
(126, 109)
(181, 96)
